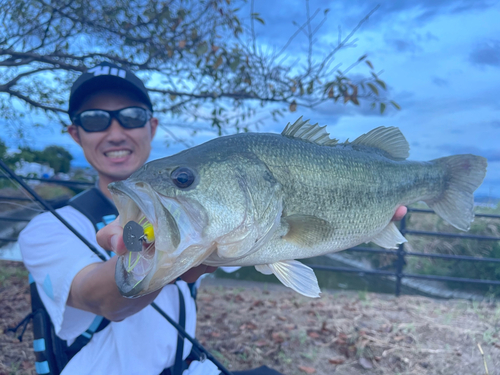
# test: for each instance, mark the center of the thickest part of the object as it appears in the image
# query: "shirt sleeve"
(54, 255)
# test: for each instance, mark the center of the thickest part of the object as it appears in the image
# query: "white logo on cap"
(105, 70)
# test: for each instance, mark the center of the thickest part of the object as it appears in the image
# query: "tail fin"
(464, 175)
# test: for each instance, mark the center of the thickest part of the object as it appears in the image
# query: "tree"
(199, 60)
(56, 157)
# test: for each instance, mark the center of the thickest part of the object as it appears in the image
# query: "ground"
(246, 325)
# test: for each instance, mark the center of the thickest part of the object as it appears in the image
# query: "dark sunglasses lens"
(133, 117)
(94, 120)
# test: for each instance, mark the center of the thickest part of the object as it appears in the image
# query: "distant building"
(36, 170)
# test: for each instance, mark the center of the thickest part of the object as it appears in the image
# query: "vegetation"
(448, 246)
(56, 157)
(456, 246)
(201, 60)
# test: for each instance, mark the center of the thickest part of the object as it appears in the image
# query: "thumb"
(111, 238)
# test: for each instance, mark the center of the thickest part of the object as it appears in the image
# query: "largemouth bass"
(266, 200)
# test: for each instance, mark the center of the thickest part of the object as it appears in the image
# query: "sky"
(440, 60)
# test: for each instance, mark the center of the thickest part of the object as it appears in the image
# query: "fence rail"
(400, 253)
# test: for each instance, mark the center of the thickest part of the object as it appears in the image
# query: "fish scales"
(266, 200)
(355, 191)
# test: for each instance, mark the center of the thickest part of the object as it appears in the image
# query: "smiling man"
(100, 331)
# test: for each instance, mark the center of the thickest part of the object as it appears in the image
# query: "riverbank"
(247, 324)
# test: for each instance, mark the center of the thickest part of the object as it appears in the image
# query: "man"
(112, 121)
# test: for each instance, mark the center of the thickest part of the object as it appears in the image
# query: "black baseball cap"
(106, 76)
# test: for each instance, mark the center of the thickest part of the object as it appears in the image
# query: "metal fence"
(400, 253)
(56, 203)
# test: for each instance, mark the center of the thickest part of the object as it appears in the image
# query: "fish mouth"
(135, 270)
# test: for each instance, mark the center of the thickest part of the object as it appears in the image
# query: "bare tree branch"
(192, 54)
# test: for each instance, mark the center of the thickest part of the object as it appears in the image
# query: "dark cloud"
(425, 10)
(440, 82)
(495, 124)
(486, 53)
(409, 42)
(403, 45)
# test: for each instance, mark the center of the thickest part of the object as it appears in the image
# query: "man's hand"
(400, 212)
(111, 238)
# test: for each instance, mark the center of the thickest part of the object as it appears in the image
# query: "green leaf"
(373, 88)
(362, 58)
(382, 108)
(235, 63)
(202, 48)
(368, 62)
(396, 105)
(260, 20)
(381, 83)
(256, 16)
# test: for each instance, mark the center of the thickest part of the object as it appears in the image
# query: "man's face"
(116, 152)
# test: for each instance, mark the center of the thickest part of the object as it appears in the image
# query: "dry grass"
(249, 324)
(347, 333)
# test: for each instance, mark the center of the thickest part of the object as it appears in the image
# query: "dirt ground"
(246, 325)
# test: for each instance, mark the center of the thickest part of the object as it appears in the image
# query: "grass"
(7, 274)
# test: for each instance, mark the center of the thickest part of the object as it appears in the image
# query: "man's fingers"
(111, 238)
(400, 213)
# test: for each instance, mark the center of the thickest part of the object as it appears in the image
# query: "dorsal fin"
(390, 140)
(302, 129)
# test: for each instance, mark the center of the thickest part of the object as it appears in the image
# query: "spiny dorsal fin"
(311, 133)
(390, 140)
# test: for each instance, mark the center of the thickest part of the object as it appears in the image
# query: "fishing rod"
(180, 330)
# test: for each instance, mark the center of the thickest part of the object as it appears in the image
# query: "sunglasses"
(98, 120)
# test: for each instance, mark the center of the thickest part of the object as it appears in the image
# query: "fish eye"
(182, 177)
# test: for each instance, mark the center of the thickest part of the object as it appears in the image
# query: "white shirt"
(144, 343)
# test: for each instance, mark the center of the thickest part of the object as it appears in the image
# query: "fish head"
(210, 205)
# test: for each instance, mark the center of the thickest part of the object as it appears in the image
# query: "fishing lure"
(135, 234)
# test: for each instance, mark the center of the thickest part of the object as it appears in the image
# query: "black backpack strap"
(100, 211)
(179, 364)
(97, 325)
(95, 206)
(50, 356)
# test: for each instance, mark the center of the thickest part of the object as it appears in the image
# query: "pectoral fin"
(295, 275)
(307, 230)
(390, 237)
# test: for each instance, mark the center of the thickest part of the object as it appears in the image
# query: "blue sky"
(441, 61)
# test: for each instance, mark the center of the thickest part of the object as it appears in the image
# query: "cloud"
(440, 82)
(486, 53)
(403, 45)
(495, 124)
(423, 10)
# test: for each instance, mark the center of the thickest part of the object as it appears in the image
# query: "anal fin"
(390, 237)
(295, 275)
